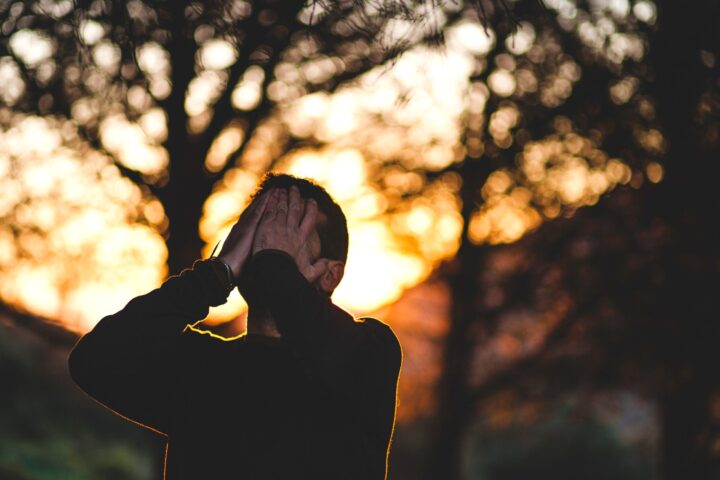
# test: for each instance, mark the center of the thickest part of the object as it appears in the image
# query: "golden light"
(645, 11)
(387, 253)
(227, 142)
(341, 172)
(622, 91)
(203, 91)
(154, 124)
(424, 100)
(11, 80)
(132, 145)
(247, 94)
(520, 41)
(73, 245)
(377, 272)
(651, 140)
(502, 219)
(32, 47)
(154, 61)
(91, 32)
(654, 172)
(559, 172)
(471, 37)
(502, 121)
(502, 82)
(618, 172)
(106, 55)
(217, 54)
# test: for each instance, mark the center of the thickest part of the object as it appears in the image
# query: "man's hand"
(289, 224)
(238, 244)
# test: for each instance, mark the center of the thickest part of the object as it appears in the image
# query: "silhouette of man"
(308, 393)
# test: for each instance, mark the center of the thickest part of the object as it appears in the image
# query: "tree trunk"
(455, 411)
(189, 185)
(685, 202)
(188, 189)
(686, 435)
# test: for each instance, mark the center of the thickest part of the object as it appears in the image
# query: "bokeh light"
(77, 239)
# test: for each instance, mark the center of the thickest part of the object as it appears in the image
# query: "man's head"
(331, 241)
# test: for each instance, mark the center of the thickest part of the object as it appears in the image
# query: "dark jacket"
(318, 403)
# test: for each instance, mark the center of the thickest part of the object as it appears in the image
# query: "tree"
(175, 97)
(637, 268)
(170, 78)
(618, 279)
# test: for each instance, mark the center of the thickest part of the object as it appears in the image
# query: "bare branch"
(47, 329)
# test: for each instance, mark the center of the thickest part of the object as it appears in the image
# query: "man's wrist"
(224, 273)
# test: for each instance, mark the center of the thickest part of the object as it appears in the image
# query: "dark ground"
(51, 430)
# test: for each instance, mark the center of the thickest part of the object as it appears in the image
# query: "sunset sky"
(89, 240)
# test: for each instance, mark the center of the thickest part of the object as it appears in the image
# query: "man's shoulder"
(374, 324)
(374, 333)
(379, 333)
(365, 322)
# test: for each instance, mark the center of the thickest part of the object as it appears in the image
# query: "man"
(307, 393)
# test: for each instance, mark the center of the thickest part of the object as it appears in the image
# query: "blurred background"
(531, 191)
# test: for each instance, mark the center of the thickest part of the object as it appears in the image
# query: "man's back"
(267, 421)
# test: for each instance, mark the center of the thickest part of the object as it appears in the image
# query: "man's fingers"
(310, 218)
(255, 209)
(295, 207)
(271, 205)
(259, 205)
(246, 225)
(281, 209)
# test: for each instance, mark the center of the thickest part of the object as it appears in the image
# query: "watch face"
(230, 276)
(226, 272)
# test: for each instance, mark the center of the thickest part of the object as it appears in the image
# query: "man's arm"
(129, 361)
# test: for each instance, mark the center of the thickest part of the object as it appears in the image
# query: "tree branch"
(47, 329)
(524, 366)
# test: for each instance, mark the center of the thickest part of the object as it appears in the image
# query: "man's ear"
(332, 276)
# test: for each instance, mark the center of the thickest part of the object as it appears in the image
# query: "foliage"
(179, 94)
(559, 447)
(51, 430)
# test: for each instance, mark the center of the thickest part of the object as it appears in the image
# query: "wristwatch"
(225, 272)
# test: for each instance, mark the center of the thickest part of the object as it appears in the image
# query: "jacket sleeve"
(130, 361)
(356, 363)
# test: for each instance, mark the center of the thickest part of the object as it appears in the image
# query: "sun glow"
(382, 137)
(75, 244)
(394, 244)
(388, 252)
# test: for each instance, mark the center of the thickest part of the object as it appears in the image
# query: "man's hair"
(333, 234)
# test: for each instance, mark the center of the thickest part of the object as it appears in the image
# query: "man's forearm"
(148, 322)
